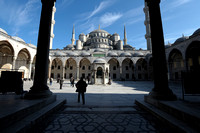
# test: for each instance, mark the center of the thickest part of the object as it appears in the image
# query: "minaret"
(52, 26)
(125, 39)
(99, 26)
(147, 24)
(73, 36)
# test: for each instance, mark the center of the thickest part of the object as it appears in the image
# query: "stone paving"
(108, 108)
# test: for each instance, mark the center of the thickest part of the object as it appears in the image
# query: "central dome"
(99, 31)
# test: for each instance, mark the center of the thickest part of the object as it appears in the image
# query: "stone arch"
(114, 68)
(84, 68)
(56, 68)
(6, 55)
(192, 56)
(141, 69)
(23, 62)
(175, 64)
(127, 69)
(70, 68)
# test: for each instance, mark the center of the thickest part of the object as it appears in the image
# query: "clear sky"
(21, 18)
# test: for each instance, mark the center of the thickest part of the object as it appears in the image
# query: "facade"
(101, 56)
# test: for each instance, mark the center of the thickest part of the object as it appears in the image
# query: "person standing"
(50, 80)
(81, 89)
(72, 81)
(61, 83)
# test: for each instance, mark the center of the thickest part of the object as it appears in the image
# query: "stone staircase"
(27, 115)
(181, 116)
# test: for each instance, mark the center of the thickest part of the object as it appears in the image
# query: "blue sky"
(21, 18)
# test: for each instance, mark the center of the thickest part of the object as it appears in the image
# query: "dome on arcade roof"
(2, 30)
(181, 39)
(18, 39)
(112, 54)
(197, 32)
(85, 53)
(58, 53)
(72, 54)
(99, 60)
(125, 54)
(138, 54)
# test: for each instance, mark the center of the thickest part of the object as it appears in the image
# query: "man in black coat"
(81, 89)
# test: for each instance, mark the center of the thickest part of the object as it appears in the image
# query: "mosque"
(101, 56)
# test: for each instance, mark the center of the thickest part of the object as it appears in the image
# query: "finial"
(99, 26)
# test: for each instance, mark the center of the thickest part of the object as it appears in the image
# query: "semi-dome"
(99, 60)
(2, 30)
(197, 32)
(85, 53)
(69, 47)
(181, 39)
(127, 46)
(18, 39)
(111, 54)
(72, 54)
(58, 53)
(125, 54)
(138, 54)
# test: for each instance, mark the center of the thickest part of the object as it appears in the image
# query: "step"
(20, 108)
(177, 125)
(182, 110)
(35, 121)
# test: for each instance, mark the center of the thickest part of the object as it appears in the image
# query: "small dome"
(127, 46)
(18, 39)
(168, 45)
(98, 50)
(197, 32)
(138, 54)
(125, 54)
(69, 46)
(2, 30)
(99, 60)
(72, 54)
(115, 34)
(82, 34)
(111, 54)
(58, 53)
(85, 54)
(181, 39)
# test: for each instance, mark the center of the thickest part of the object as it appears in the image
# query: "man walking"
(61, 83)
(81, 89)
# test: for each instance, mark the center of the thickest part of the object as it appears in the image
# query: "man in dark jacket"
(81, 89)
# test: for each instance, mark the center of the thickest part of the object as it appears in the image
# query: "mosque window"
(114, 67)
(83, 75)
(52, 67)
(58, 67)
(127, 76)
(83, 68)
(89, 67)
(71, 67)
(139, 68)
(114, 75)
(126, 67)
(139, 76)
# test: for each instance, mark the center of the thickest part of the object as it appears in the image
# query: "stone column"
(63, 72)
(77, 72)
(161, 89)
(40, 88)
(104, 77)
(30, 68)
(14, 61)
(95, 75)
(120, 71)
